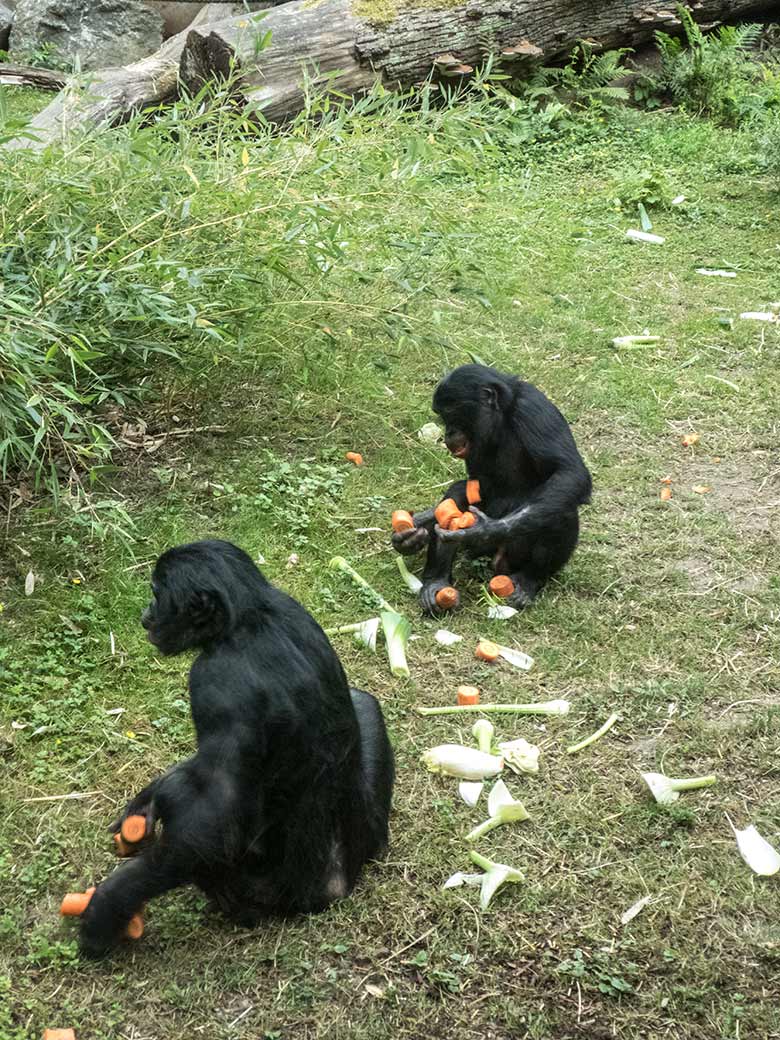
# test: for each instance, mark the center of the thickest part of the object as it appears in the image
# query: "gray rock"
(6, 21)
(100, 33)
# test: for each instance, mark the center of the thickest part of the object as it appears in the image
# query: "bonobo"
(532, 480)
(288, 793)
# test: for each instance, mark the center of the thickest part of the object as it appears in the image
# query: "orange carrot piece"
(75, 903)
(135, 927)
(446, 598)
(402, 521)
(59, 1034)
(473, 494)
(666, 494)
(446, 512)
(487, 651)
(501, 585)
(354, 456)
(460, 523)
(133, 829)
(468, 695)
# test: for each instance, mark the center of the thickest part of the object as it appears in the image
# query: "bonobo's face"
(166, 627)
(456, 404)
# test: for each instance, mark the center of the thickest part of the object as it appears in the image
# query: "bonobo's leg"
(530, 560)
(376, 756)
(437, 573)
(124, 893)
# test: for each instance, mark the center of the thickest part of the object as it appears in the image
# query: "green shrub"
(712, 74)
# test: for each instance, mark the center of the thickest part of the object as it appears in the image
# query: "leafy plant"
(708, 73)
(587, 80)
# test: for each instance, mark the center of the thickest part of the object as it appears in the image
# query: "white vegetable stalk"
(666, 791)
(463, 762)
(395, 626)
(365, 632)
(411, 581)
(482, 731)
(500, 612)
(520, 756)
(496, 875)
(557, 707)
(634, 341)
(503, 808)
(516, 658)
(470, 791)
(756, 851)
(430, 433)
(574, 748)
(447, 638)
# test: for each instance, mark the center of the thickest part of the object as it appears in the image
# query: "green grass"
(458, 237)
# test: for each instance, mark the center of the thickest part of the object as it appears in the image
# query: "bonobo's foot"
(407, 543)
(526, 591)
(101, 926)
(428, 598)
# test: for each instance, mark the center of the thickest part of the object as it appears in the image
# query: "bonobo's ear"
(496, 396)
(204, 607)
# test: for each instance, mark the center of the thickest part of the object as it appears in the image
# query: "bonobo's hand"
(141, 805)
(407, 543)
(101, 927)
(481, 537)
(428, 598)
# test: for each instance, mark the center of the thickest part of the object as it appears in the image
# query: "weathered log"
(31, 76)
(310, 40)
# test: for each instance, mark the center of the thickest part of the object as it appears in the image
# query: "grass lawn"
(668, 612)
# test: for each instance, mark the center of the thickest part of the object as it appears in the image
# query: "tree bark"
(31, 76)
(310, 40)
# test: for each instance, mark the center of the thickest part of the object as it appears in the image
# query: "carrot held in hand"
(133, 829)
(75, 903)
(473, 494)
(402, 521)
(460, 523)
(446, 512)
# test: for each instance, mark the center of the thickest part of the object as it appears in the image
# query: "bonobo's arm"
(564, 484)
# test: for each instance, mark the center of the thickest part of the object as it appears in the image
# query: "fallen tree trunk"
(31, 76)
(312, 40)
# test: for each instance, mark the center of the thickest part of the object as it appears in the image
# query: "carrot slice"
(354, 456)
(75, 903)
(446, 598)
(59, 1034)
(468, 695)
(446, 512)
(123, 850)
(666, 494)
(133, 829)
(501, 585)
(487, 651)
(135, 927)
(402, 521)
(460, 523)
(473, 494)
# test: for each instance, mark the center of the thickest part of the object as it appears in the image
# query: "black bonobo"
(532, 480)
(288, 794)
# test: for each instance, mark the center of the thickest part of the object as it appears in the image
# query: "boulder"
(100, 33)
(6, 21)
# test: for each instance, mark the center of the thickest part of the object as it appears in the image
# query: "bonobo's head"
(201, 592)
(474, 402)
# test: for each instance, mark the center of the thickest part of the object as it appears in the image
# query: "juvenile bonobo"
(532, 480)
(288, 793)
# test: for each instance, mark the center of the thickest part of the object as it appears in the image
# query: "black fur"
(288, 794)
(532, 480)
